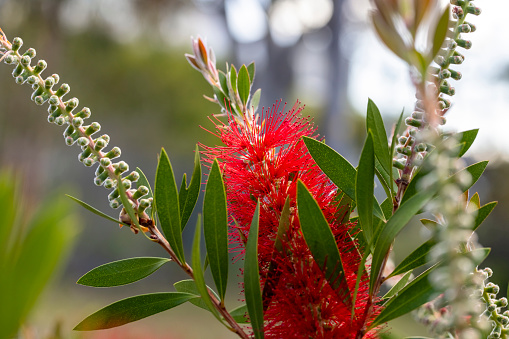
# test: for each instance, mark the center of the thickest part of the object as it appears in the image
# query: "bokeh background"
(124, 60)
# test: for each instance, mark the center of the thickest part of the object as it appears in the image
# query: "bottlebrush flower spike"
(261, 160)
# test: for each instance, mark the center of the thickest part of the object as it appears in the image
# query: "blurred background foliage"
(124, 60)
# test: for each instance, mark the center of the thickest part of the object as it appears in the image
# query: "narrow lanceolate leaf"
(96, 211)
(132, 309)
(243, 84)
(143, 181)
(189, 195)
(394, 225)
(320, 241)
(251, 71)
(375, 123)
(394, 141)
(339, 170)
(255, 99)
(240, 314)
(252, 278)
(122, 272)
(482, 213)
(167, 205)
(189, 286)
(398, 286)
(198, 271)
(466, 138)
(215, 225)
(416, 293)
(416, 259)
(441, 31)
(364, 183)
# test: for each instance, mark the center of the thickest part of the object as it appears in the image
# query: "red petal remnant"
(262, 158)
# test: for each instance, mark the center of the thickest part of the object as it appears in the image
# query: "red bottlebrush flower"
(261, 160)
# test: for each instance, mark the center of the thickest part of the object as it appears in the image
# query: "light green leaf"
(189, 286)
(482, 213)
(251, 71)
(96, 211)
(466, 138)
(132, 309)
(374, 122)
(252, 278)
(143, 181)
(430, 224)
(416, 259)
(365, 187)
(398, 286)
(240, 314)
(321, 241)
(215, 225)
(243, 84)
(440, 31)
(122, 272)
(255, 100)
(189, 195)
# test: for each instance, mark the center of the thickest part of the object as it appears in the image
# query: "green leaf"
(122, 272)
(384, 179)
(198, 271)
(321, 241)
(394, 225)
(251, 71)
(167, 204)
(416, 259)
(475, 200)
(189, 195)
(430, 224)
(365, 187)
(466, 138)
(398, 286)
(127, 205)
(482, 213)
(374, 122)
(96, 211)
(132, 309)
(389, 36)
(440, 31)
(223, 81)
(243, 84)
(413, 295)
(394, 141)
(252, 278)
(240, 314)
(215, 225)
(221, 98)
(255, 99)
(233, 79)
(339, 170)
(189, 286)
(143, 181)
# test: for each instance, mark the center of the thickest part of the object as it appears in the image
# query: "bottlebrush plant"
(314, 239)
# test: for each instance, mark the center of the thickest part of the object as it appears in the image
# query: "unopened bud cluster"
(65, 112)
(497, 317)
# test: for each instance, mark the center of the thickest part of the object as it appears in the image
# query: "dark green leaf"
(384, 178)
(387, 207)
(482, 213)
(132, 309)
(122, 272)
(189, 195)
(394, 225)
(416, 259)
(189, 286)
(374, 122)
(321, 241)
(239, 314)
(215, 225)
(143, 181)
(233, 79)
(394, 141)
(337, 168)
(398, 286)
(221, 98)
(167, 205)
(251, 71)
(467, 139)
(96, 211)
(365, 186)
(252, 278)
(243, 84)
(413, 295)
(223, 81)
(440, 31)
(198, 271)
(255, 99)
(127, 205)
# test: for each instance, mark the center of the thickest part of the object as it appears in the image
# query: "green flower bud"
(447, 89)
(31, 53)
(63, 90)
(444, 74)
(92, 128)
(127, 183)
(25, 60)
(85, 154)
(54, 101)
(11, 59)
(60, 121)
(71, 104)
(398, 163)
(38, 91)
(458, 2)
(83, 141)
(417, 115)
(77, 122)
(491, 307)
(16, 44)
(121, 167)
(56, 77)
(113, 195)
(452, 44)
(99, 170)
(466, 44)
(89, 162)
(32, 80)
(502, 302)
(446, 102)
(442, 120)
(41, 99)
(413, 122)
(488, 271)
(456, 60)
(55, 112)
(140, 192)
(472, 26)
(404, 150)
(105, 162)
(20, 80)
(420, 147)
(144, 204)
(70, 140)
(116, 203)
(99, 179)
(491, 288)
(464, 28)
(99, 144)
(455, 75)
(113, 153)
(133, 176)
(17, 70)
(40, 67)
(49, 82)
(503, 320)
(402, 140)
(84, 113)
